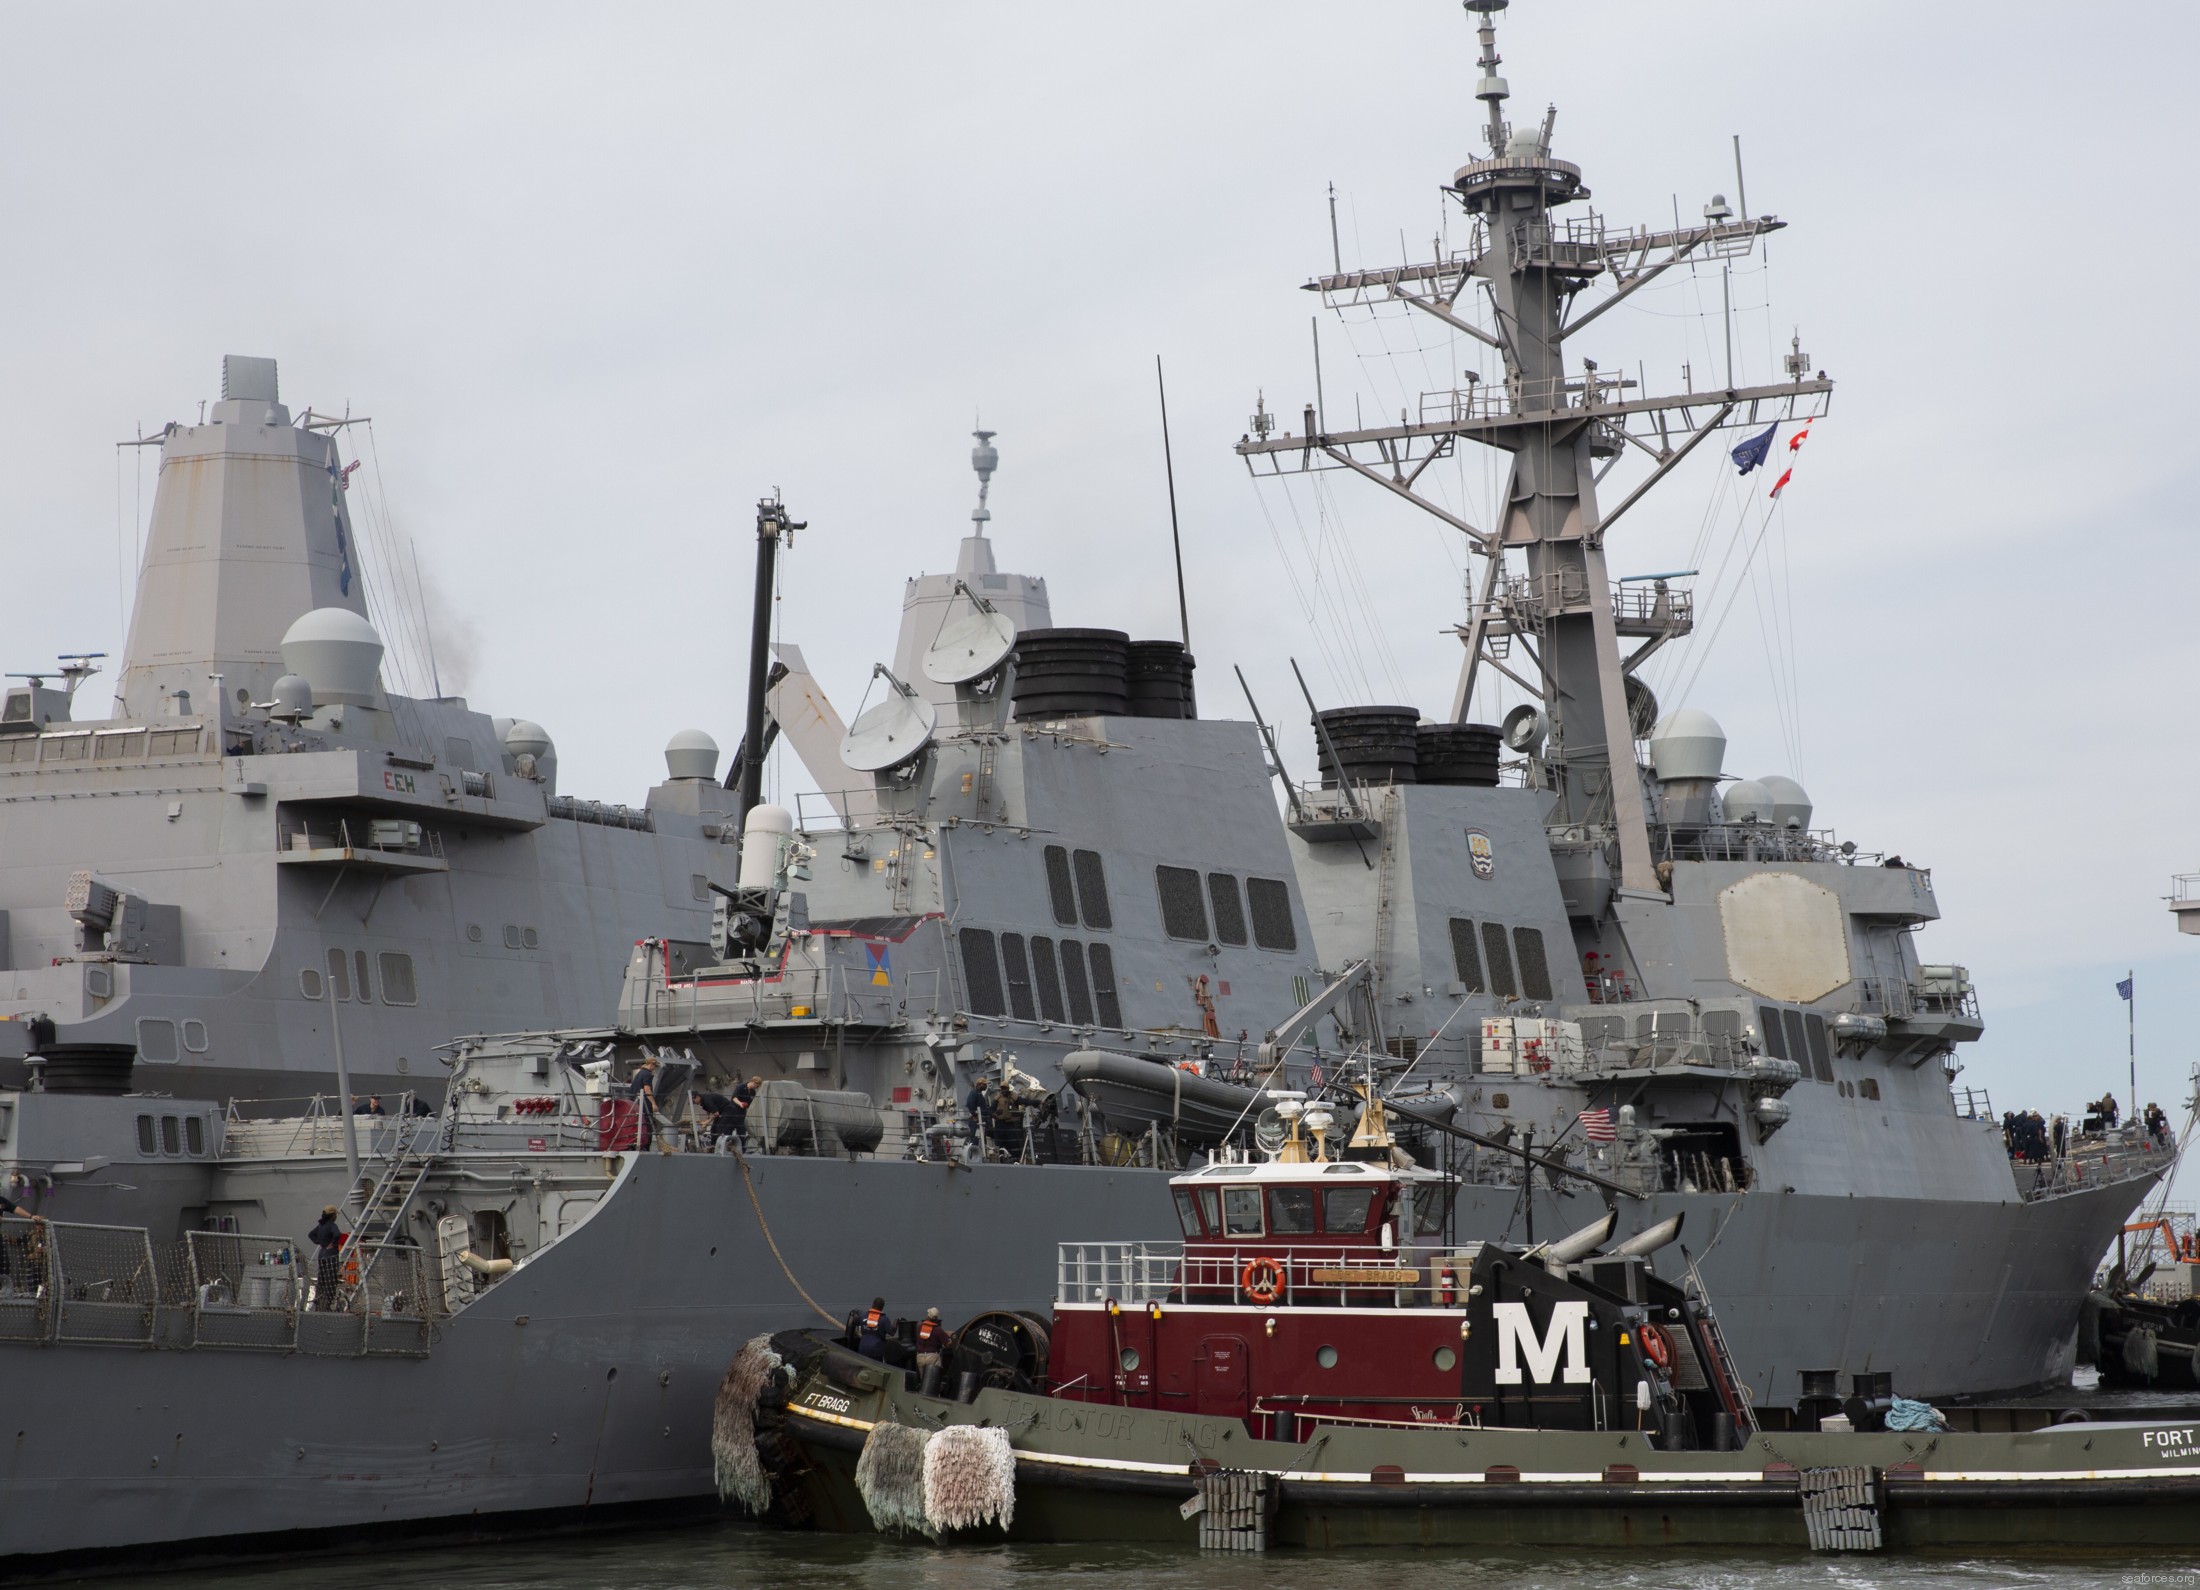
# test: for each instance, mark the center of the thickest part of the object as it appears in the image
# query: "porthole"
(1446, 1359)
(1129, 1357)
(473, 932)
(1326, 1357)
(530, 939)
(309, 983)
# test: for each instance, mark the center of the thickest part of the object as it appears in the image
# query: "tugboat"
(1318, 1363)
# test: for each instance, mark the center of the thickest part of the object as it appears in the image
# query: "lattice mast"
(1565, 432)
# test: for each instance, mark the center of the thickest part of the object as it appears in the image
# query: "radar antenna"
(984, 458)
(1566, 423)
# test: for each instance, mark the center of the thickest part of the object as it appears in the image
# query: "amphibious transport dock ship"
(262, 849)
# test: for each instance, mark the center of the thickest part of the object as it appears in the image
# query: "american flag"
(1596, 1125)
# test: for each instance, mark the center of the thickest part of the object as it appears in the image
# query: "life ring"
(1657, 1346)
(1263, 1280)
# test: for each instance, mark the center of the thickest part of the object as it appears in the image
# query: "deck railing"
(1161, 1272)
(66, 1283)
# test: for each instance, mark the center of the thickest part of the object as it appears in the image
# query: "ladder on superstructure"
(408, 1168)
(1745, 1400)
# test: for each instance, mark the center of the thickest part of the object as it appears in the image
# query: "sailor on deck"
(875, 1330)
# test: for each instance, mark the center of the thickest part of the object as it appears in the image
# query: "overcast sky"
(604, 276)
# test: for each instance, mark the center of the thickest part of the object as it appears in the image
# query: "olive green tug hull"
(1090, 1472)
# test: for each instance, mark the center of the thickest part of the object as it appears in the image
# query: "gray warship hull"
(1955, 1300)
(581, 1384)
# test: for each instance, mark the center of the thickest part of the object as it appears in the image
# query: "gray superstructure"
(237, 829)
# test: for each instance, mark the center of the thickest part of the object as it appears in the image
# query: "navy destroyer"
(1618, 971)
(1040, 877)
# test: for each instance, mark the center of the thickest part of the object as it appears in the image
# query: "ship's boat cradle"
(1088, 1472)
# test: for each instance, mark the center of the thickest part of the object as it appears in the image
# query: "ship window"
(698, 886)
(1271, 905)
(1058, 886)
(1445, 1359)
(1092, 891)
(1187, 1213)
(1421, 1209)
(1050, 986)
(1073, 980)
(1345, 1209)
(1104, 1003)
(1291, 1211)
(1326, 1357)
(1673, 1025)
(1210, 1208)
(1768, 1017)
(194, 1133)
(156, 1040)
(194, 1035)
(530, 939)
(1222, 889)
(1597, 1031)
(1241, 1211)
(1535, 970)
(1869, 1087)
(511, 935)
(459, 753)
(1798, 1045)
(1183, 912)
(309, 983)
(366, 988)
(1019, 977)
(981, 972)
(1722, 1024)
(1499, 960)
(1814, 1030)
(147, 1144)
(398, 986)
(171, 1135)
(1465, 959)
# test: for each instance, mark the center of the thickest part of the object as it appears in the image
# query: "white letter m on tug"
(1516, 1335)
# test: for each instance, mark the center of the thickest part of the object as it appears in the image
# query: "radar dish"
(970, 647)
(893, 733)
(1524, 729)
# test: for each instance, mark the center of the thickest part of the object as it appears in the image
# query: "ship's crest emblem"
(1481, 853)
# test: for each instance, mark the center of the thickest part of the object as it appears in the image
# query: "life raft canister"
(1657, 1346)
(1263, 1280)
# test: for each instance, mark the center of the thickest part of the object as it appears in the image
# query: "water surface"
(741, 1557)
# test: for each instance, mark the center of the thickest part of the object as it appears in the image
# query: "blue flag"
(2124, 987)
(1752, 452)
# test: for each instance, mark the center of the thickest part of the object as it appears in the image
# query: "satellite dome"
(337, 653)
(526, 737)
(1790, 805)
(691, 754)
(1688, 744)
(293, 697)
(1747, 801)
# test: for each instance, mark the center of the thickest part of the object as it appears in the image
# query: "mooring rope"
(766, 1227)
